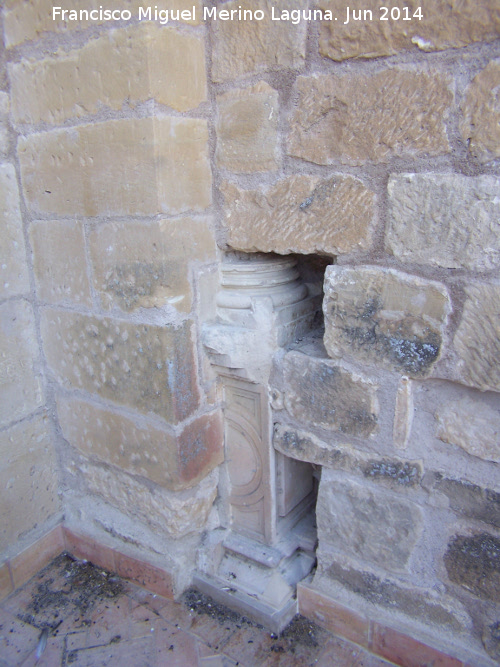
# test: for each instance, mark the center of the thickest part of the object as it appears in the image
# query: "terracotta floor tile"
(50, 657)
(134, 653)
(17, 639)
(340, 652)
(6, 586)
(174, 647)
(141, 596)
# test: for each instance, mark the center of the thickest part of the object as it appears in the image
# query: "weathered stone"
(147, 265)
(150, 368)
(477, 340)
(361, 522)
(172, 461)
(473, 562)
(322, 393)
(491, 640)
(480, 125)
(28, 479)
(445, 220)
(4, 138)
(175, 514)
(247, 123)
(403, 413)
(302, 214)
(358, 119)
(472, 425)
(59, 262)
(140, 166)
(247, 46)
(13, 267)
(120, 66)
(380, 316)
(25, 21)
(20, 390)
(471, 500)
(443, 25)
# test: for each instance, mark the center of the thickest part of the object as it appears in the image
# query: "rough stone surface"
(120, 66)
(445, 220)
(480, 125)
(384, 317)
(244, 47)
(147, 367)
(13, 267)
(356, 119)
(302, 214)
(148, 264)
(403, 413)
(172, 461)
(25, 21)
(247, 122)
(477, 341)
(472, 425)
(28, 479)
(473, 562)
(139, 166)
(443, 25)
(361, 522)
(175, 514)
(59, 262)
(471, 500)
(4, 128)
(321, 393)
(20, 389)
(491, 640)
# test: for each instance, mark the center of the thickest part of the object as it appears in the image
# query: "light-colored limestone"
(28, 479)
(365, 523)
(480, 125)
(403, 413)
(119, 167)
(243, 47)
(148, 264)
(384, 317)
(321, 393)
(477, 341)
(59, 262)
(302, 214)
(120, 67)
(147, 367)
(20, 389)
(13, 267)
(29, 19)
(4, 129)
(445, 220)
(247, 122)
(355, 119)
(443, 25)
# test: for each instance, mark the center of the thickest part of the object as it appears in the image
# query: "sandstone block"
(362, 522)
(4, 138)
(384, 317)
(120, 66)
(147, 367)
(471, 500)
(20, 389)
(147, 264)
(477, 341)
(247, 123)
(480, 125)
(170, 513)
(303, 214)
(443, 25)
(473, 562)
(357, 119)
(472, 425)
(403, 413)
(172, 461)
(244, 47)
(13, 267)
(445, 220)
(59, 262)
(322, 393)
(140, 166)
(28, 479)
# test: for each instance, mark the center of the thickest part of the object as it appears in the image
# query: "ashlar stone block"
(445, 220)
(148, 264)
(473, 562)
(13, 267)
(384, 317)
(303, 214)
(147, 367)
(359, 118)
(141, 166)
